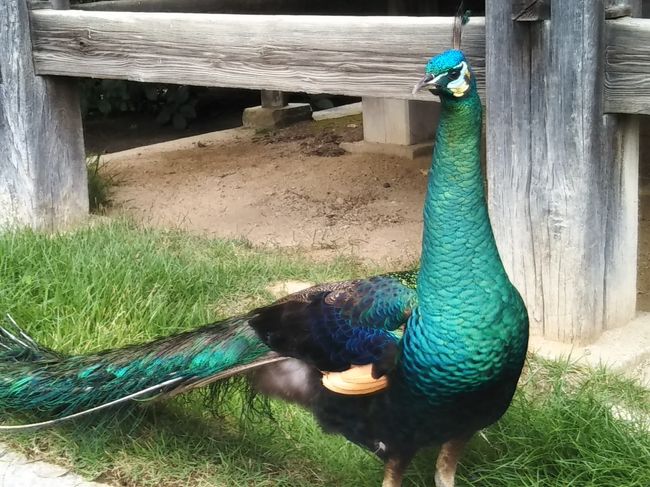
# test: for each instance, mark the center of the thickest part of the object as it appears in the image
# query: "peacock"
(394, 363)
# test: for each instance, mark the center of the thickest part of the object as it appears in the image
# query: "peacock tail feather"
(345, 322)
(35, 379)
(453, 372)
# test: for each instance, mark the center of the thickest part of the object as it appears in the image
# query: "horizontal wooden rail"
(326, 7)
(171, 5)
(358, 56)
(369, 56)
(627, 66)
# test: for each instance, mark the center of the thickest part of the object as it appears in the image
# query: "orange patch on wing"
(355, 381)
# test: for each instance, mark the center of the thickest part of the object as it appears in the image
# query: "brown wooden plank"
(196, 6)
(615, 9)
(508, 150)
(362, 56)
(530, 10)
(42, 161)
(627, 66)
(561, 176)
(620, 149)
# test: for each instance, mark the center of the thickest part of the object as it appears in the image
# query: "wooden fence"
(562, 84)
(360, 56)
(363, 56)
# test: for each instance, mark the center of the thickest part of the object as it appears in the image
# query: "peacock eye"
(453, 74)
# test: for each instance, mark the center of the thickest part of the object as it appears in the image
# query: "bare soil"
(296, 187)
(291, 187)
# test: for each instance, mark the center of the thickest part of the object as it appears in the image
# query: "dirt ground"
(296, 187)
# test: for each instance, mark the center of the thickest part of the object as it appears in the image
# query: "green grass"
(115, 284)
(99, 185)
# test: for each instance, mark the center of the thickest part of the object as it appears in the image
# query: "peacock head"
(447, 75)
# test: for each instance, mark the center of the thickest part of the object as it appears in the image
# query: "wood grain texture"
(553, 192)
(508, 150)
(620, 149)
(530, 10)
(289, 7)
(372, 56)
(615, 9)
(42, 161)
(361, 56)
(197, 6)
(627, 66)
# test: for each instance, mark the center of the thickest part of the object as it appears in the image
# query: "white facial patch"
(459, 86)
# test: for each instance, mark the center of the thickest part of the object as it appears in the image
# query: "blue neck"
(458, 247)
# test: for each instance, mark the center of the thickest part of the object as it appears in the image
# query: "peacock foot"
(447, 462)
(394, 471)
(442, 481)
(355, 381)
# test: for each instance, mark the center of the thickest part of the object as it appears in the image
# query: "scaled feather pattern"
(452, 370)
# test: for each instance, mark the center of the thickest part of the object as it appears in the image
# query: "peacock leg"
(447, 462)
(394, 469)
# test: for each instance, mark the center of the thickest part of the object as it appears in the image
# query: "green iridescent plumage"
(46, 382)
(33, 378)
(468, 309)
(453, 372)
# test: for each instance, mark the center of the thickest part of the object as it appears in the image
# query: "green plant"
(173, 104)
(99, 185)
(176, 105)
(118, 283)
(107, 96)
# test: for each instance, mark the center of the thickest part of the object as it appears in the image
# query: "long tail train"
(36, 379)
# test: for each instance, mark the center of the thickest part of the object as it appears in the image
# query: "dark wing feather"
(337, 325)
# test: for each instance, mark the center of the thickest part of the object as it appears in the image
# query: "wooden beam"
(42, 161)
(620, 149)
(561, 195)
(360, 56)
(313, 7)
(627, 66)
(530, 10)
(286, 53)
(615, 9)
(196, 6)
(509, 164)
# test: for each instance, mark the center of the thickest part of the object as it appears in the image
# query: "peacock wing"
(334, 326)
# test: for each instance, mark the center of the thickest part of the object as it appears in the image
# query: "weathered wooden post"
(562, 176)
(42, 161)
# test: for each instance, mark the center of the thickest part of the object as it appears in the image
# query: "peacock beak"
(429, 82)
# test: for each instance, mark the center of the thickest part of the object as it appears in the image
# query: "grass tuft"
(99, 185)
(118, 283)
